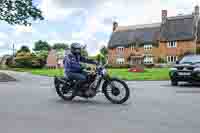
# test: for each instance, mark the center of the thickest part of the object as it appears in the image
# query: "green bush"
(149, 65)
(25, 61)
(198, 50)
(118, 66)
(28, 60)
(161, 60)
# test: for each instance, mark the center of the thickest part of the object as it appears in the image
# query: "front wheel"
(116, 91)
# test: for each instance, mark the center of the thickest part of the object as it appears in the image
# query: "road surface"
(30, 105)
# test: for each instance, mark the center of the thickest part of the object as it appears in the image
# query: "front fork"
(105, 80)
(98, 84)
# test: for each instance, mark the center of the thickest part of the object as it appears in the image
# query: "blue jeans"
(80, 79)
(77, 76)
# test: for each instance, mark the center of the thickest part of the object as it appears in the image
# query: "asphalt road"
(30, 105)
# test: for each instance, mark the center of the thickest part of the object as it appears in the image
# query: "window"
(120, 49)
(132, 47)
(120, 60)
(148, 46)
(172, 59)
(148, 59)
(171, 44)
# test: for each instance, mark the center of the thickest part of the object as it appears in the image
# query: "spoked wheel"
(117, 91)
(64, 91)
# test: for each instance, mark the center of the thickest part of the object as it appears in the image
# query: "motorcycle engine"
(90, 91)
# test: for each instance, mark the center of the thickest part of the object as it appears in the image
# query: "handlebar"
(97, 67)
(99, 62)
(102, 66)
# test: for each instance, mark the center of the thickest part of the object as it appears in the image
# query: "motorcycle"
(98, 81)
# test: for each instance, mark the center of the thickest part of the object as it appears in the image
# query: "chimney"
(115, 25)
(196, 10)
(164, 16)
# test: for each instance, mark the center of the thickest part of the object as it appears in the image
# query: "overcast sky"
(87, 21)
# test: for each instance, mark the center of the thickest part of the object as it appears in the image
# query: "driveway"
(30, 105)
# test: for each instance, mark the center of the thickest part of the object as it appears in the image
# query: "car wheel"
(174, 83)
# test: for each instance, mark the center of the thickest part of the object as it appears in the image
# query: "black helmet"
(76, 48)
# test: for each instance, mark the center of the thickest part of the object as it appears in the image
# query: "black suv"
(186, 70)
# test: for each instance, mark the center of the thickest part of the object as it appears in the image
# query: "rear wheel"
(64, 91)
(116, 91)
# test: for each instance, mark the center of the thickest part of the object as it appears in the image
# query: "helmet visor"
(77, 50)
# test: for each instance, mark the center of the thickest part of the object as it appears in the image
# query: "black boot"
(77, 87)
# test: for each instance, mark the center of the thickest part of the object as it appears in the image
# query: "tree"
(24, 49)
(19, 12)
(60, 46)
(198, 50)
(103, 54)
(41, 46)
(84, 51)
(99, 57)
(104, 51)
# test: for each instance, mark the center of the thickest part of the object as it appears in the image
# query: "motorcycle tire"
(59, 87)
(114, 101)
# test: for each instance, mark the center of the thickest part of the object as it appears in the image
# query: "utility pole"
(13, 53)
(196, 18)
(13, 49)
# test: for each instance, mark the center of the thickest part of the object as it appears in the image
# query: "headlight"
(197, 69)
(104, 71)
(173, 69)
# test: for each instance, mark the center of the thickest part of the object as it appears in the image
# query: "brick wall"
(158, 52)
(114, 54)
(181, 48)
(51, 59)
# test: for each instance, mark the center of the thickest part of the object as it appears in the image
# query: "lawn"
(149, 74)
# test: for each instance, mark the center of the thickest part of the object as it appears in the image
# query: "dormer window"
(120, 49)
(148, 46)
(171, 44)
(132, 47)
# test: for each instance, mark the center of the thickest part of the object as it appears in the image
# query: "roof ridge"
(139, 26)
(179, 17)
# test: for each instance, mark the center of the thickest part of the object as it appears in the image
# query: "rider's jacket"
(72, 62)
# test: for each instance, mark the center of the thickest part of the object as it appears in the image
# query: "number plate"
(184, 73)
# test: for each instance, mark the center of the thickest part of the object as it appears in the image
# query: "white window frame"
(148, 59)
(120, 61)
(148, 46)
(132, 47)
(172, 44)
(172, 59)
(120, 49)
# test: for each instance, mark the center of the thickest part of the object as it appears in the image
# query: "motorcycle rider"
(72, 66)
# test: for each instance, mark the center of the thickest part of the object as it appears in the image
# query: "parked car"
(186, 70)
